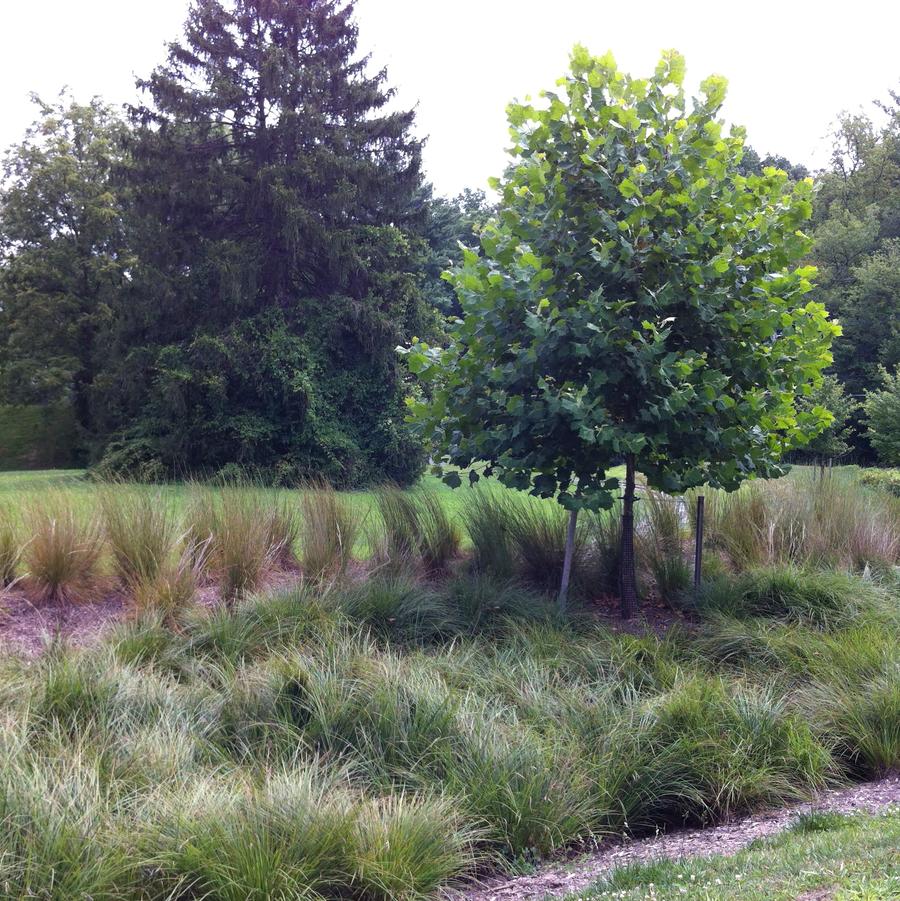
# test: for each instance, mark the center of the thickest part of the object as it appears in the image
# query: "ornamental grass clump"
(605, 531)
(10, 547)
(661, 545)
(397, 541)
(537, 531)
(142, 532)
(397, 606)
(63, 552)
(328, 529)
(805, 519)
(283, 527)
(486, 517)
(711, 748)
(173, 588)
(302, 834)
(417, 532)
(818, 598)
(439, 535)
(235, 530)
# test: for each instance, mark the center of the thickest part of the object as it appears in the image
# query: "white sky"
(792, 66)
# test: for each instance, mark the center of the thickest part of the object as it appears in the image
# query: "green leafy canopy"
(635, 295)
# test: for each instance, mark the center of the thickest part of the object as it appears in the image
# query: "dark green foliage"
(882, 417)
(273, 216)
(451, 222)
(38, 437)
(857, 248)
(63, 256)
(834, 441)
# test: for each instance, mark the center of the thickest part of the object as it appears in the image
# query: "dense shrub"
(882, 417)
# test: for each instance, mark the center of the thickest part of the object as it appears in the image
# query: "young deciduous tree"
(635, 299)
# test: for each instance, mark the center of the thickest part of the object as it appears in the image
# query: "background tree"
(451, 222)
(63, 256)
(834, 441)
(857, 227)
(635, 298)
(274, 199)
(882, 409)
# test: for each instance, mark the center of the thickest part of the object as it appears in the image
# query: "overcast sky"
(792, 66)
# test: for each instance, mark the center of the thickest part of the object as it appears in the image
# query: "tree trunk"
(627, 580)
(567, 561)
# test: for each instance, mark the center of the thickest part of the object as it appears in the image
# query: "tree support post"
(567, 561)
(627, 579)
(698, 544)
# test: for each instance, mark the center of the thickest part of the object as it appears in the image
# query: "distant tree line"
(218, 277)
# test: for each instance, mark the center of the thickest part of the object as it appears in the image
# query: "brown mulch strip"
(27, 628)
(577, 874)
(654, 617)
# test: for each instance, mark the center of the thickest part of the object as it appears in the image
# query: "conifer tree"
(278, 257)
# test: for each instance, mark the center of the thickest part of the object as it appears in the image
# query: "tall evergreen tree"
(274, 195)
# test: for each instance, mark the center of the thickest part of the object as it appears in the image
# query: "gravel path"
(577, 874)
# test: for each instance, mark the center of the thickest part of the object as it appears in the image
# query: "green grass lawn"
(826, 857)
(19, 489)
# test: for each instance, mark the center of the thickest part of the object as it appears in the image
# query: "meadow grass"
(381, 737)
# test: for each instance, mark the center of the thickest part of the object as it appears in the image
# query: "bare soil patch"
(26, 628)
(654, 617)
(577, 873)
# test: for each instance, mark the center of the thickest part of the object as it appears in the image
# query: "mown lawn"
(19, 489)
(826, 857)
